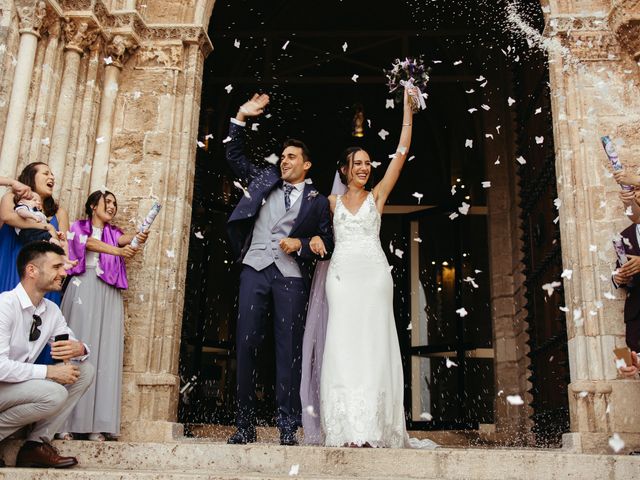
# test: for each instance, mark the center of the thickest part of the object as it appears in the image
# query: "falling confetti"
(390, 103)
(100, 140)
(239, 186)
(294, 470)
(462, 312)
(311, 411)
(226, 140)
(539, 140)
(549, 287)
(345, 46)
(286, 44)
(567, 274)
(515, 400)
(450, 363)
(426, 416)
(228, 88)
(486, 184)
(375, 164)
(171, 253)
(355, 77)
(464, 208)
(108, 60)
(199, 235)
(383, 134)
(510, 101)
(272, 159)
(468, 143)
(521, 160)
(418, 196)
(236, 43)
(616, 443)
(398, 253)
(200, 144)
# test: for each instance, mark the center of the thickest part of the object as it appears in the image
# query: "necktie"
(287, 195)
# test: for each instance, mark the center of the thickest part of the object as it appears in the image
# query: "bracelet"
(407, 124)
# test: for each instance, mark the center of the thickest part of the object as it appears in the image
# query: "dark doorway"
(305, 54)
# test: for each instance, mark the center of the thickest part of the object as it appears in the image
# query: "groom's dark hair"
(292, 142)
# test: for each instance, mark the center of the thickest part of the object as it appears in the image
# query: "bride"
(361, 380)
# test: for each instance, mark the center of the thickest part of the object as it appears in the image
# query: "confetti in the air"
(286, 44)
(515, 400)
(244, 190)
(450, 363)
(228, 88)
(550, 287)
(539, 140)
(462, 312)
(468, 143)
(511, 101)
(236, 43)
(355, 77)
(272, 159)
(311, 411)
(616, 443)
(486, 184)
(383, 134)
(418, 196)
(100, 140)
(345, 46)
(567, 274)
(108, 60)
(390, 103)
(199, 235)
(226, 140)
(375, 164)
(426, 416)
(171, 253)
(464, 208)
(294, 470)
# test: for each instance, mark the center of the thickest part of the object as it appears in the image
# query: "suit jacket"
(314, 217)
(632, 302)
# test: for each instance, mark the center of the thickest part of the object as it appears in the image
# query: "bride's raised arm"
(383, 189)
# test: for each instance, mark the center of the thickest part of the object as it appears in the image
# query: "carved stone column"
(117, 52)
(592, 96)
(78, 35)
(31, 16)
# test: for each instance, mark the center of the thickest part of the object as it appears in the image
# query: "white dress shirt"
(17, 353)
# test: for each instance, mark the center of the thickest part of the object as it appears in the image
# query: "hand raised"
(64, 374)
(20, 190)
(255, 106)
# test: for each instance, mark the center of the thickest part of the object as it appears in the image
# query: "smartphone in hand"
(59, 338)
(624, 353)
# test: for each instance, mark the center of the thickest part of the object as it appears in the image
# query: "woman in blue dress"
(39, 178)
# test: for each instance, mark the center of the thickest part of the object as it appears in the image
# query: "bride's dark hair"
(345, 162)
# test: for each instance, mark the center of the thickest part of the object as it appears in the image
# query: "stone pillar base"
(588, 442)
(151, 431)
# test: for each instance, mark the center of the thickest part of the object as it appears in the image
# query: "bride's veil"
(313, 346)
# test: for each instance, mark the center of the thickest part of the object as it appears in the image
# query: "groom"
(277, 230)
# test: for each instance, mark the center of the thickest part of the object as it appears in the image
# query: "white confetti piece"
(538, 111)
(375, 164)
(577, 317)
(549, 287)
(417, 239)
(355, 77)
(310, 411)
(485, 107)
(629, 211)
(453, 216)
(457, 62)
(563, 309)
(45, 141)
(566, 273)
(609, 296)
(411, 158)
(71, 235)
(593, 248)
(383, 134)
(345, 45)
(200, 144)
(472, 110)
(76, 281)
(398, 253)
(426, 416)
(199, 235)
(616, 443)
(450, 363)
(170, 253)
(244, 190)
(99, 140)
(510, 101)
(83, 239)
(402, 150)
(453, 190)
(480, 79)
(486, 184)
(521, 160)
(497, 162)
(228, 88)
(539, 140)
(468, 143)
(470, 91)
(409, 327)
(515, 400)
(286, 44)
(78, 301)
(294, 468)
(464, 208)
(227, 140)
(254, 127)
(272, 159)
(108, 60)
(488, 135)
(462, 312)
(418, 196)
(390, 103)
(236, 43)
(209, 136)
(136, 95)
(472, 281)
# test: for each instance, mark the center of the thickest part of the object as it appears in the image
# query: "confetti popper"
(146, 223)
(611, 152)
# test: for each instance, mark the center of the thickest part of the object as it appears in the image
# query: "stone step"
(193, 458)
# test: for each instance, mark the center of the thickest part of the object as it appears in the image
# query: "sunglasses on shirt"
(34, 333)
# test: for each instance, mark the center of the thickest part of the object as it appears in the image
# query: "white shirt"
(17, 353)
(91, 258)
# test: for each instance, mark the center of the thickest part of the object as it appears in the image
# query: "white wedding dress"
(361, 385)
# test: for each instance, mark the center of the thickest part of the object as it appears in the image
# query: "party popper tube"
(148, 220)
(610, 150)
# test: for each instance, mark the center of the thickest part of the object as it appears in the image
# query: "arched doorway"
(471, 133)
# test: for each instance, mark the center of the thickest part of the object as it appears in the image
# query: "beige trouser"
(43, 402)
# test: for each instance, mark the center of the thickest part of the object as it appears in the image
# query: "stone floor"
(204, 459)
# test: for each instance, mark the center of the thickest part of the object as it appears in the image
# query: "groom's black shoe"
(288, 437)
(243, 436)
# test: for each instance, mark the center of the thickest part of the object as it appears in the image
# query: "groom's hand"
(290, 245)
(317, 246)
(253, 107)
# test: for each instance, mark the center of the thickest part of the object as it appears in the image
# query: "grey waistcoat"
(273, 224)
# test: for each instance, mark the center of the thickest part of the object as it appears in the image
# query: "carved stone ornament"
(79, 35)
(31, 17)
(119, 49)
(587, 38)
(160, 56)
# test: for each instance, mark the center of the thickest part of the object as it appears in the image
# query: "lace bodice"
(359, 232)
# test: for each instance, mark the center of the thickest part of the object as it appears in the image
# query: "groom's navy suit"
(272, 280)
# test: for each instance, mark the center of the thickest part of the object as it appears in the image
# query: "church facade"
(107, 92)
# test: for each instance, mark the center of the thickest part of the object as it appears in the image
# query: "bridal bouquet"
(410, 72)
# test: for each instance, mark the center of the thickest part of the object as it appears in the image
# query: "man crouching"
(43, 395)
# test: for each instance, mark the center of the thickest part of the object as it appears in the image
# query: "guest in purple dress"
(39, 179)
(92, 306)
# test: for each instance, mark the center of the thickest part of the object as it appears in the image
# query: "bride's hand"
(317, 246)
(408, 92)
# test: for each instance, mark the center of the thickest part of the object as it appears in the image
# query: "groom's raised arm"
(235, 153)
